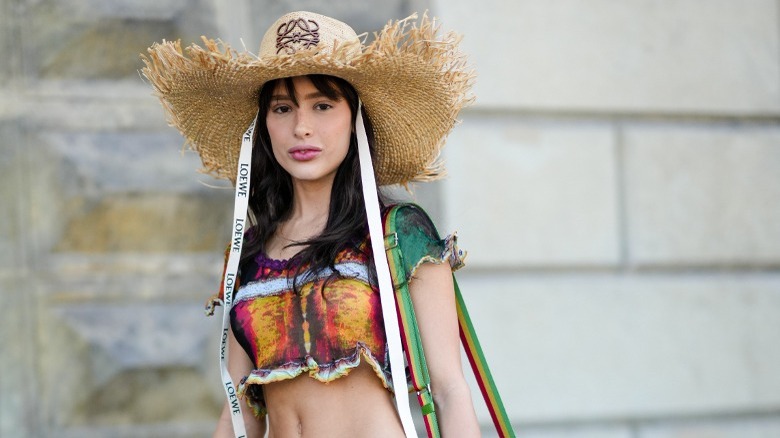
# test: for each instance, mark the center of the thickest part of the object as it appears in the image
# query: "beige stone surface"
(101, 109)
(85, 42)
(568, 431)
(11, 213)
(703, 194)
(363, 16)
(125, 105)
(614, 347)
(116, 361)
(744, 427)
(98, 192)
(189, 429)
(641, 56)
(149, 223)
(19, 383)
(532, 193)
(104, 227)
(9, 49)
(114, 162)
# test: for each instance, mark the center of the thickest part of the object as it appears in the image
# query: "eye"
(323, 106)
(281, 109)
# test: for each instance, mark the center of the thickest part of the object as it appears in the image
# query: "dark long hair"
(271, 191)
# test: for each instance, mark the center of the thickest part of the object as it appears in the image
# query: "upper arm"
(238, 366)
(434, 306)
(238, 362)
(429, 261)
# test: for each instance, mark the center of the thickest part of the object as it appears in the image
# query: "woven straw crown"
(412, 83)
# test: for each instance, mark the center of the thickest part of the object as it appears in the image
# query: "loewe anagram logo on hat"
(288, 38)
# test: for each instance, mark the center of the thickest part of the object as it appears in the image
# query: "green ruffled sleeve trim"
(420, 242)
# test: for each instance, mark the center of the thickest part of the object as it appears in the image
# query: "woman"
(309, 338)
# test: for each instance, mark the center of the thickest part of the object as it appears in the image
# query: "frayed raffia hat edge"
(413, 83)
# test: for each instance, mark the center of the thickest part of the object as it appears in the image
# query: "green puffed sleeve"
(420, 242)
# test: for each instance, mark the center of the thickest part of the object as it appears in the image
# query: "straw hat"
(412, 83)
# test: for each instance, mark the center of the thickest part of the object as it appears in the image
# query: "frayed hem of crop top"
(250, 389)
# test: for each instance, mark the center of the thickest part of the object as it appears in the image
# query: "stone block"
(147, 223)
(128, 364)
(703, 195)
(639, 56)
(117, 107)
(597, 430)
(247, 21)
(120, 191)
(189, 429)
(9, 43)
(532, 193)
(428, 195)
(18, 380)
(10, 108)
(744, 427)
(141, 113)
(99, 40)
(587, 347)
(139, 336)
(139, 9)
(12, 193)
(360, 15)
(122, 162)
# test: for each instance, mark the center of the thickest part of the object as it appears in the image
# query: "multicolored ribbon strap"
(480, 367)
(410, 333)
(413, 344)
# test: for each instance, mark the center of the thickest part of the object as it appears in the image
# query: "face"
(310, 139)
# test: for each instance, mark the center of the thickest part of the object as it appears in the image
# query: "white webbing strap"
(237, 241)
(375, 229)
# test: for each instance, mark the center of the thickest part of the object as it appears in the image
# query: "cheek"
(342, 139)
(274, 133)
(345, 133)
(273, 129)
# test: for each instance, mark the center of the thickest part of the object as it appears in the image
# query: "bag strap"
(410, 333)
(412, 342)
(480, 367)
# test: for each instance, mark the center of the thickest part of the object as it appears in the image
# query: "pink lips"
(304, 153)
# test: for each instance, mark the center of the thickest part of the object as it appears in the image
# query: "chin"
(312, 177)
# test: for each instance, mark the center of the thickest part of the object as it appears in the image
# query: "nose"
(303, 127)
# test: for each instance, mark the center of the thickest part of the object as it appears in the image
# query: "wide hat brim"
(412, 83)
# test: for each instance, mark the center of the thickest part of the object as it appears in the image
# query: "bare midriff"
(355, 405)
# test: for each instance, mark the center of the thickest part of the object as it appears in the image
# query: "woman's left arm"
(434, 306)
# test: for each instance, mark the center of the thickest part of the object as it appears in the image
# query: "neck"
(311, 204)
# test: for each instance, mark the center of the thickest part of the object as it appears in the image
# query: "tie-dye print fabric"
(323, 331)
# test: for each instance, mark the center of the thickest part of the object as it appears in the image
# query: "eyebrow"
(314, 95)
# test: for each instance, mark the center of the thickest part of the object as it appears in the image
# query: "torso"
(304, 344)
(357, 406)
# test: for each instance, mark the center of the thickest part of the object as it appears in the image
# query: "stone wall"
(109, 240)
(625, 157)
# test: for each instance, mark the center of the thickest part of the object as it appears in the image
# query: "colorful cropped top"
(334, 322)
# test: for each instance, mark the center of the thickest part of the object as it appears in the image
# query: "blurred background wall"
(617, 185)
